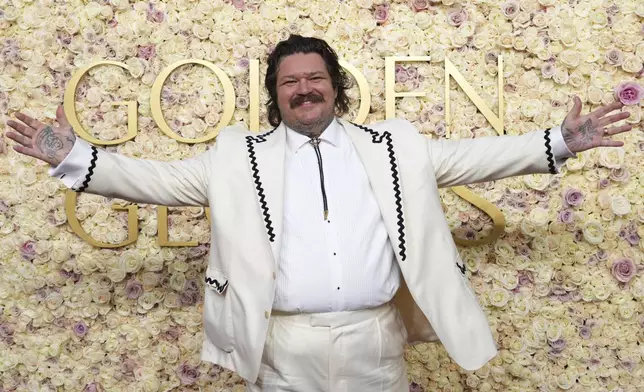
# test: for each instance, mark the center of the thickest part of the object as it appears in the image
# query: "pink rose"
(156, 16)
(28, 250)
(419, 5)
(381, 13)
(456, 17)
(624, 270)
(629, 93)
(146, 52)
(239, 4)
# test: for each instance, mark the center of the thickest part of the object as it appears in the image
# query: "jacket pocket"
(218, 318)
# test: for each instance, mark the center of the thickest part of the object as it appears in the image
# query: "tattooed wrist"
(54, 145)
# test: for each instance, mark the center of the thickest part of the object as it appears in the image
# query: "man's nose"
(303, 86)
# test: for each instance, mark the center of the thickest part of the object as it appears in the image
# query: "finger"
(613, 119)
(60, 117)
(35, 124)
(610, 143)
(28, 151)
(22, 128)
(617, 130)
(576, 107)
(18, 138)
(604, 110)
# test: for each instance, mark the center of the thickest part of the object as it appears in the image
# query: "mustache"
(300, 99)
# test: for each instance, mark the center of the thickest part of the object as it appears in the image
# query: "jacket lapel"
(376, 151)
(266, 160)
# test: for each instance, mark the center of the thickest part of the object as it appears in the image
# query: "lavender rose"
(573, 198)
(133, 289)
(414, 387)
(456, 17)
(558, 346)
(187, 374)
(585, 332)
(80, 329)
(629, 93)
(93, 387)
(624, 270)
(566, 216)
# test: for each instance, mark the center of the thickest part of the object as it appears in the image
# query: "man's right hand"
(42, 141)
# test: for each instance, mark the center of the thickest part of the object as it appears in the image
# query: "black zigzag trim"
(250, 140)
(90, 171)
(551, 161)
(220, 288)
(461, 267)
(378, 138)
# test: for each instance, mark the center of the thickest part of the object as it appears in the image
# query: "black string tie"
(316, 146)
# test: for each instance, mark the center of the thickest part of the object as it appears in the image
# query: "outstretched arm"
(467, 161)
(86, 168)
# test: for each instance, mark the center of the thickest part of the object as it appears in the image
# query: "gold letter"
(162, 230)
(69, 104)
(497, 122)
(390, 82)
(155, 100)
(493, 211)
(365, 95)
(132, 222)
(253, 79)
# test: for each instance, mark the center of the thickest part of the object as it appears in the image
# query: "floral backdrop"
(563, 288)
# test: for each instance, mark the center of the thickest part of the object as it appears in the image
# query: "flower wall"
(562, 289)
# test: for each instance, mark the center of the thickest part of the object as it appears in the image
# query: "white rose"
(612, 158)
(531, 107)
(620, 205)
(498, 297)
(593, 232)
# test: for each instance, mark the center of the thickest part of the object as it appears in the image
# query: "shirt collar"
(331, 135)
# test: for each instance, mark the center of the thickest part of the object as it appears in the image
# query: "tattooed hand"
(47, 143)
(591, 130)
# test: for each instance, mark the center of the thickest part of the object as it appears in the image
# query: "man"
(314, 221)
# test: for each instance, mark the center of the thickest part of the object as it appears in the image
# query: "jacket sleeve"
(468, 161)
(179, 183)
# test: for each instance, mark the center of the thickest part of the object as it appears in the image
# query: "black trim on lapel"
(551, 161)
(90, 171)
(400, 221)
(250, 140)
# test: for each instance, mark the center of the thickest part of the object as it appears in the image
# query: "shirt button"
(274, 275)
(266, 314)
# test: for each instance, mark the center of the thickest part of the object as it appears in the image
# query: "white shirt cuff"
(560, 150)
(75, 167)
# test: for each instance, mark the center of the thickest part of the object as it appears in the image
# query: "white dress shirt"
(345, 262)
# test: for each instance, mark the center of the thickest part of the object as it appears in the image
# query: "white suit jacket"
(242, 180)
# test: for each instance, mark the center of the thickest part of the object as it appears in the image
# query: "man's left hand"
(592, 130)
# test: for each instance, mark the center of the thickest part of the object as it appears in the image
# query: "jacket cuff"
(76, 169)
(557, 151)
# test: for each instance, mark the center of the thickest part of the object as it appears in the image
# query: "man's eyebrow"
(293, 76)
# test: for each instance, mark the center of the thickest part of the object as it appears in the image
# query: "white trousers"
(357, 351)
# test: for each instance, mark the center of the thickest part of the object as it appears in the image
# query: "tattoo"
(49, 143)
(586, 132)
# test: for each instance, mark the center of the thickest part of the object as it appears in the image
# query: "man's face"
(305, 94)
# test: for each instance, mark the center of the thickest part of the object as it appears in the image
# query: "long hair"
(298, 44)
